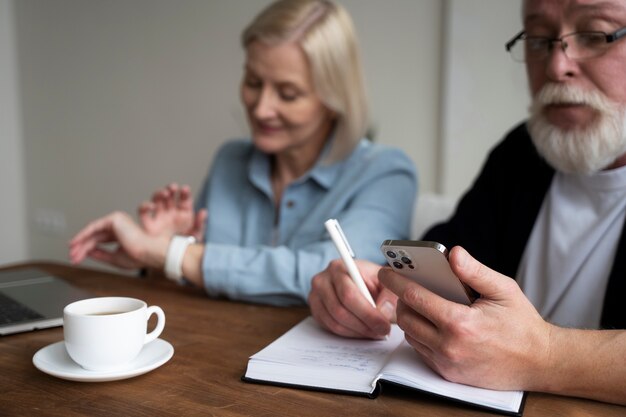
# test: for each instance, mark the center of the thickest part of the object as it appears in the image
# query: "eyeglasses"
(577, 46)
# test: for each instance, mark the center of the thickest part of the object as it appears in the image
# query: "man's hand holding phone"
(427, 264)
(499, 341)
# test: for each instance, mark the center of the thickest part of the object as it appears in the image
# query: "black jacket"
(494, 219)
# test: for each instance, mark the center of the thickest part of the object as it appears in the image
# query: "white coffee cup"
(106, 333)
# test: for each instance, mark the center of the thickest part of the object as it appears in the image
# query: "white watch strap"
(174, 258)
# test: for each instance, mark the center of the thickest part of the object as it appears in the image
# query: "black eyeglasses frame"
(609, 37)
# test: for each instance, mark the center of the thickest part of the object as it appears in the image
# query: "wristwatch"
(174, 258)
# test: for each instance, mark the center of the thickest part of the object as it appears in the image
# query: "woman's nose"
(265, 105)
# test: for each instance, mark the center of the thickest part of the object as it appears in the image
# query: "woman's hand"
(171, 212)
(133, 246)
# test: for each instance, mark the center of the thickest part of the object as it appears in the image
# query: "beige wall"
(13, 235)
(119, 97)
(484, 91)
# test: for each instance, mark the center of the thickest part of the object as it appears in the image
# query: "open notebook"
(309, 357)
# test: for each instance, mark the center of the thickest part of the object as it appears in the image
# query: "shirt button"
(290, 203)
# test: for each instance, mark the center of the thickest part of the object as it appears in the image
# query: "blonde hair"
(325, 32)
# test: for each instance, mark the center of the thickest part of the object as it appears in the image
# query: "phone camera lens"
(391, 254)
(406, 260)
(397, 264)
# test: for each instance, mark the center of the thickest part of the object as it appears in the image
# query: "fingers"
(116, 258)
(337, 304)
(110, 228)
(146, 210)
(417, 327)
(424, 351)
(489, 283)
(428, 356)
(97, 232)
(99, 225)
(327, 308)
(434, 308)
(386, 304)
(185, 201)
(79, 250)
(324, 317)
(385, 299)
(162, 198)
(172, 196)
(199, 226)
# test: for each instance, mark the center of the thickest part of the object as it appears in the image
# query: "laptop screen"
(32, 299)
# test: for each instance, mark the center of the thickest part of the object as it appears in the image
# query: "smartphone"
(427, 264)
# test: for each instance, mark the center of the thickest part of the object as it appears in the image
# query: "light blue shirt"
(257, 252)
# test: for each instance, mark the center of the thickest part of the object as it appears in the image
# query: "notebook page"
(406, 368)
(310, 356)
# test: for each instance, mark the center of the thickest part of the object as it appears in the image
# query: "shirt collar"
(322, 172)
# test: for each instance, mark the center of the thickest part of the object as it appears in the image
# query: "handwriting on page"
(358, 358)
(308, 345)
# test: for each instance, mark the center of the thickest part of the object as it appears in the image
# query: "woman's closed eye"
(289, 93)
(253, 83)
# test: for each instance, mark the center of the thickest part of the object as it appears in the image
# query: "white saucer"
(54, 360)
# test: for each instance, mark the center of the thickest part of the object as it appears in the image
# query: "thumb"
(200, 224)
(386, 303)
(479, 277)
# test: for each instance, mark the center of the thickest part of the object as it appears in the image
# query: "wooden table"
(212, 340)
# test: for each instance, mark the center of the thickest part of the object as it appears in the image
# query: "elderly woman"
(267, 197)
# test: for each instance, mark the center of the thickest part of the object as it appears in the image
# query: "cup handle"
(160, 323)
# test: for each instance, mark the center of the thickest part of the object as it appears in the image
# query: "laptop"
(32, 299)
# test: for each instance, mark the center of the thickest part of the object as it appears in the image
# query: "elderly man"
(549, 209)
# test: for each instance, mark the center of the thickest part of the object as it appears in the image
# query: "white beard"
(583, 151)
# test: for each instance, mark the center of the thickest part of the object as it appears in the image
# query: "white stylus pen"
(347, 255)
